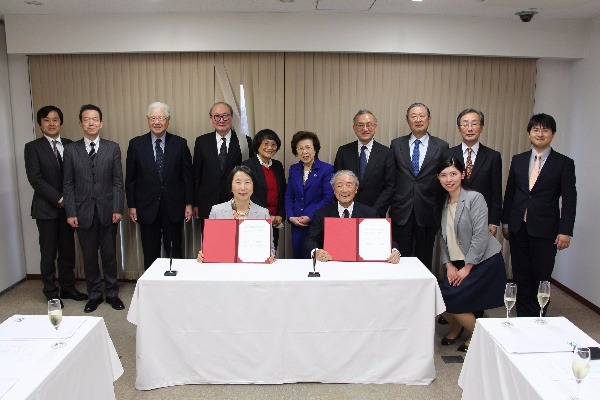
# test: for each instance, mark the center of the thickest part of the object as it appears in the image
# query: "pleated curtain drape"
(286, 92)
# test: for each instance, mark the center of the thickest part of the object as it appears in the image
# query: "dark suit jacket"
(210, 182)
(145, 189)
(259, 196)
(45, 176)
(317, 226)
(87, 187)
(376, 188)
(422, 193)
(486, 178)
(545, 217)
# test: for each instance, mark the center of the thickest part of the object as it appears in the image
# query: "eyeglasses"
(267, 145)
(157, 119)
(474, 125)
(303, 149)
(221, 117)
(368, 125)
(88, 119)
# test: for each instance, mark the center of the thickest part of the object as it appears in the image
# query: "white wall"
(336, 32)
(12, 262)
(568, 86)
(572, 90)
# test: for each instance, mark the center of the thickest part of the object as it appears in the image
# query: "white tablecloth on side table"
(260, 323)
(491, 372)
(84, 369)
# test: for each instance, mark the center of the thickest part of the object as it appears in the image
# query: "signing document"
(375, 240)
(254, 241)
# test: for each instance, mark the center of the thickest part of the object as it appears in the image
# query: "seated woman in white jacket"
(242, 182)
(475, 275)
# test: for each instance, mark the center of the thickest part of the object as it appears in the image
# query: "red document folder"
(220, 240)
(341, 239)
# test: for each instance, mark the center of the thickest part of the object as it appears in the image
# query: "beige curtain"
(286, 92)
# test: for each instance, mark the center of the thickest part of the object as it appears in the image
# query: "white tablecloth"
(490, 372)
(261, 323)
(84, 369)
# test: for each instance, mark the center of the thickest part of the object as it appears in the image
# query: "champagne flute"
(543, 297)
(55, 314)
(510, 298)
(580, 366)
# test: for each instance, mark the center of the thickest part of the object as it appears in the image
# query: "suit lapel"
(313, 174)
(522, 165)
(479, 162)
(460, 207)
(48, 152)
(169, 154)
(260, 177)
(83, 154)
(405, 150)
(371, 164)
(233, 152)
(148, 154)
(432, 149)
(546, 170)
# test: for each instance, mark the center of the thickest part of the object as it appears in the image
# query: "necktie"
(93, 150)
(469, 163)
(223, 153)
(160, 156)
(346, 213)
(415, 158)
(535, 172)
(362, 162)
(57, 154)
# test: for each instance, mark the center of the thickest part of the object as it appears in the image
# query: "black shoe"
(115, 302)
(463, 347)
(446, 341)
(92, 304)
(442, 320)
(74, 294)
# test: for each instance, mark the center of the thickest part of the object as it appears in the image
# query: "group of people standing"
(425, 186)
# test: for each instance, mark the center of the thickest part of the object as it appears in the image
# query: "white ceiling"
(547, 9)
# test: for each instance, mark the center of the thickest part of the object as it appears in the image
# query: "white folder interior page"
(374, 239)
(254, 240)
(550, 338)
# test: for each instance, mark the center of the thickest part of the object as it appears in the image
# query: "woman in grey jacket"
(475, 276)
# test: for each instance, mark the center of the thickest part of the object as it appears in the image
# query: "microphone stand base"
(314, 274)
(170, 273)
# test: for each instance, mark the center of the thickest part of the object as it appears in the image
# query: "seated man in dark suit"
(345, 187)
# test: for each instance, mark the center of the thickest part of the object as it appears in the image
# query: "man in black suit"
(345, 187)
(159, 185)
(534, 221)
(44, 167)
(416, 204)
(215, 155)
(93, 190)
(483, 165)
(371, 161)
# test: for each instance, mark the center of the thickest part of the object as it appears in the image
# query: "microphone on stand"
(171, 272)
(314, 273)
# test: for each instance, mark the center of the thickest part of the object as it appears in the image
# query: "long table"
(261, 323)
(30, 369)
(491, 372)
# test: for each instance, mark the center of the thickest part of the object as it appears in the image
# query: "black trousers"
(532, 261)
(103, 238)
(414, 240)
(161, 229)
(56, 237)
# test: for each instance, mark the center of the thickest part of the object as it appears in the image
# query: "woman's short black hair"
(303, 135)
(244, 169)
(455, 162)
(261, 136)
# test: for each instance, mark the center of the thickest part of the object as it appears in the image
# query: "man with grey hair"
(416, 205)
(345, 186)
(159, 185)
(371, 161)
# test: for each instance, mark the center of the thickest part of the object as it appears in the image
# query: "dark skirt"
(482, 289)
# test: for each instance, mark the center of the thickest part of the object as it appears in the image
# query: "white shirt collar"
(341, 209)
